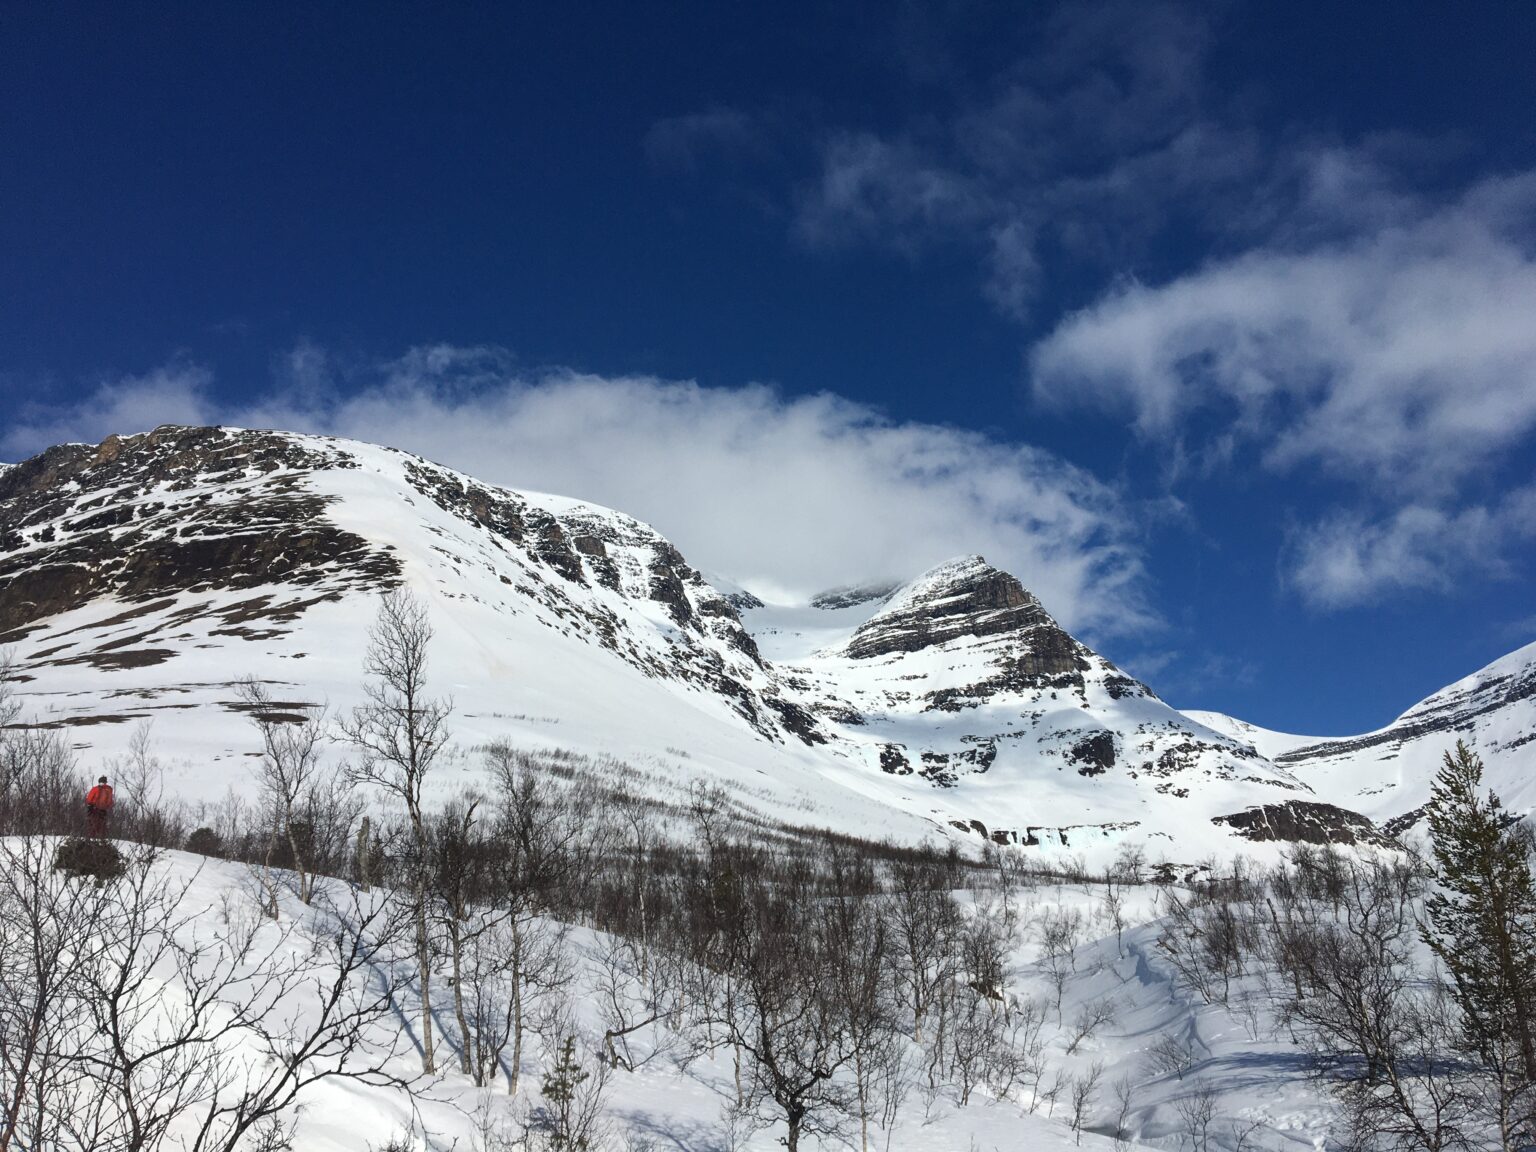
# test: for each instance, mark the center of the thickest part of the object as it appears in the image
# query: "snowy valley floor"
(1172, 1071)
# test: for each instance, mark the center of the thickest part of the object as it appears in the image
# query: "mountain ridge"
(1390, 768)
(146, 568)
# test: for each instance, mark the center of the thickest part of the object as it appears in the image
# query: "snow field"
(1257, 1076)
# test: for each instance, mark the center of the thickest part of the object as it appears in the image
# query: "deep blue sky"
(905, 205)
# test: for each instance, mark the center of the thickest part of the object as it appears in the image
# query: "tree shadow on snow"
(673, 1132)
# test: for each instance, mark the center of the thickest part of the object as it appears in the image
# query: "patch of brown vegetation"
(87, 720)
(114, 661)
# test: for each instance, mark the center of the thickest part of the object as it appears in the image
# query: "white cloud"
(1349, 560)
(175, 394)
(802, 494)
(1403, 359)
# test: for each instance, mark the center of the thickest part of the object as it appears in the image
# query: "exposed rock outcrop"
(1093, 754)
(1304, 822)
(173, 510)
(968, 598)
(851, 596)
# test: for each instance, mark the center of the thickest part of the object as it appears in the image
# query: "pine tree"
(559, 1088)
(1482, 917)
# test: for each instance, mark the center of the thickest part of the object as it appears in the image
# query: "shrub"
(78, 856)
(205, 842)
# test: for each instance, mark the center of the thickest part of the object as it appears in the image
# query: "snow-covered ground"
(1236, 1055)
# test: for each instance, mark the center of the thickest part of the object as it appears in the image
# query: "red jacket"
(100, 797)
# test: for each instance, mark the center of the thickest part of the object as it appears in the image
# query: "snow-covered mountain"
(962, 680)
(140, 578)
(1386, 774)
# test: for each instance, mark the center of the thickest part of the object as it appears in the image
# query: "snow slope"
(620, 649)
(1265, 742)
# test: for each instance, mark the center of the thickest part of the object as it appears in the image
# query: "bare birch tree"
(400, 732)
(290, 768)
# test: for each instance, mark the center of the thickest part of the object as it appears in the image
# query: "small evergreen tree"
(564, 1124)
(205, 842)
(1482, 920)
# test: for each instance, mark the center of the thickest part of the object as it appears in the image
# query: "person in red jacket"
(98, 806)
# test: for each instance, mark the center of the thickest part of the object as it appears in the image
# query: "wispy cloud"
(1074, 144)
(1349, 559)
(888, 191)
(1400, 361)
(1403, 358)
(175, 393)
(1191, 675)
(683, 143)
(791, 494)
(1523, 631)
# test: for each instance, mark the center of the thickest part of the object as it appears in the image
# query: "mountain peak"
(957, 575)
(963, 597)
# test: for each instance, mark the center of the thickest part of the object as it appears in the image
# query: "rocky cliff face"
(177, 510)
(201, 535)
(968, 598)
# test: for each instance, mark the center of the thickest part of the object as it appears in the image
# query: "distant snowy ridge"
(1386, 774)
